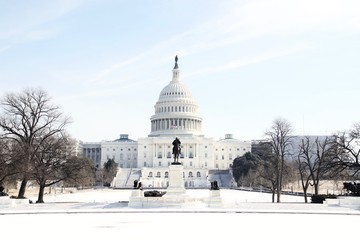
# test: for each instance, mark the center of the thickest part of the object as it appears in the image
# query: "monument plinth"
(176, 180)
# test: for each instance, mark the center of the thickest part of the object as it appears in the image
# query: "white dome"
(175, 90)
(176, 112)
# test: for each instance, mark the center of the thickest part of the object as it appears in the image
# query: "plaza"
(103, 213)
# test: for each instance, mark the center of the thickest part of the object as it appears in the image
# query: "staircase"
(223, 177)
(125, 178)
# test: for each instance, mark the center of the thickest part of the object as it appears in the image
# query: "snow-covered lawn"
(103, 214)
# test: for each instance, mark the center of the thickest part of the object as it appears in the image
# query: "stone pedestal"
(175, 194)
(214, 199)
(136, 193)
(349, 202)
(136, 198)
(176, 180)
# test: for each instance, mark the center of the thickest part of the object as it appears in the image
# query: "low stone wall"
(349, 202)
(6, 201)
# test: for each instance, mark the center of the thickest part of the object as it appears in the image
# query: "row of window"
(190, 164)
(91, 150)
(223, 157)
(98, 150)
(171, 146)
(122, 156)
(174, 93)
(169, 155)
(120, 149)
(175, 109)
(166, 175)
(238, 149)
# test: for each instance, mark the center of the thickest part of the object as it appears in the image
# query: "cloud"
(253, 59)
(28, 22)
(162, 51)
(243, 21)
(3, 49)
(286, 17)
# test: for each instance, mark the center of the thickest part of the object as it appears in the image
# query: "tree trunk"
(22, 189)
(305, 195)
(278, 194)
(316, 189)
(273, 196)
(41, 194)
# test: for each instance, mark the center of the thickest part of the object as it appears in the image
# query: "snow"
(103, 213)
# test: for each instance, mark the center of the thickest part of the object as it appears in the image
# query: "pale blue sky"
(246, 62)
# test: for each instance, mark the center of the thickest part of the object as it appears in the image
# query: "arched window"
(198, 174)
(190, 175)
(166, 174)
(150, 174)
(158, 174)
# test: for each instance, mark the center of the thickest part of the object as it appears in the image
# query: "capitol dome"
(176, 112)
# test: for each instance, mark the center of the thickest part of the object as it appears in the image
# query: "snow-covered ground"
(103, 213)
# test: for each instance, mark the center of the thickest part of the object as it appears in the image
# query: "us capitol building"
(147, 159)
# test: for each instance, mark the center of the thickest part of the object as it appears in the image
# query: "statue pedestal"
(175, 194)
(214, 199)
(136, 193)
(176, 180)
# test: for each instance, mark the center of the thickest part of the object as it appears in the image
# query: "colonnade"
(175, 123)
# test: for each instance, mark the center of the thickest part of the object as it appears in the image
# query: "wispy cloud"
(244, 21)
(3, 49)
(288, 17)
(161, 51)
(253, 59)
(32, 25)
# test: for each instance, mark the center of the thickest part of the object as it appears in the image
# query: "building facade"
(176, 114)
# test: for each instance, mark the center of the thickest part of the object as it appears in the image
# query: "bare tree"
(317, 161)
(267, 173)
(10, 166)
(5, 160)
(50, 161)
(266, 166)
(304, 156)
(348, 143)
(280, 137)
(29, 117)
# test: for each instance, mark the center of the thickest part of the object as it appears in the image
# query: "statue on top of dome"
(176, 65)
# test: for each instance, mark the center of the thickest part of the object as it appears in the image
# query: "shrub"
(321, 198)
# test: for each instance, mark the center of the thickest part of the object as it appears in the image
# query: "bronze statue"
(176, 64)
(214, 185)
(137, 184)
(176, 150)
